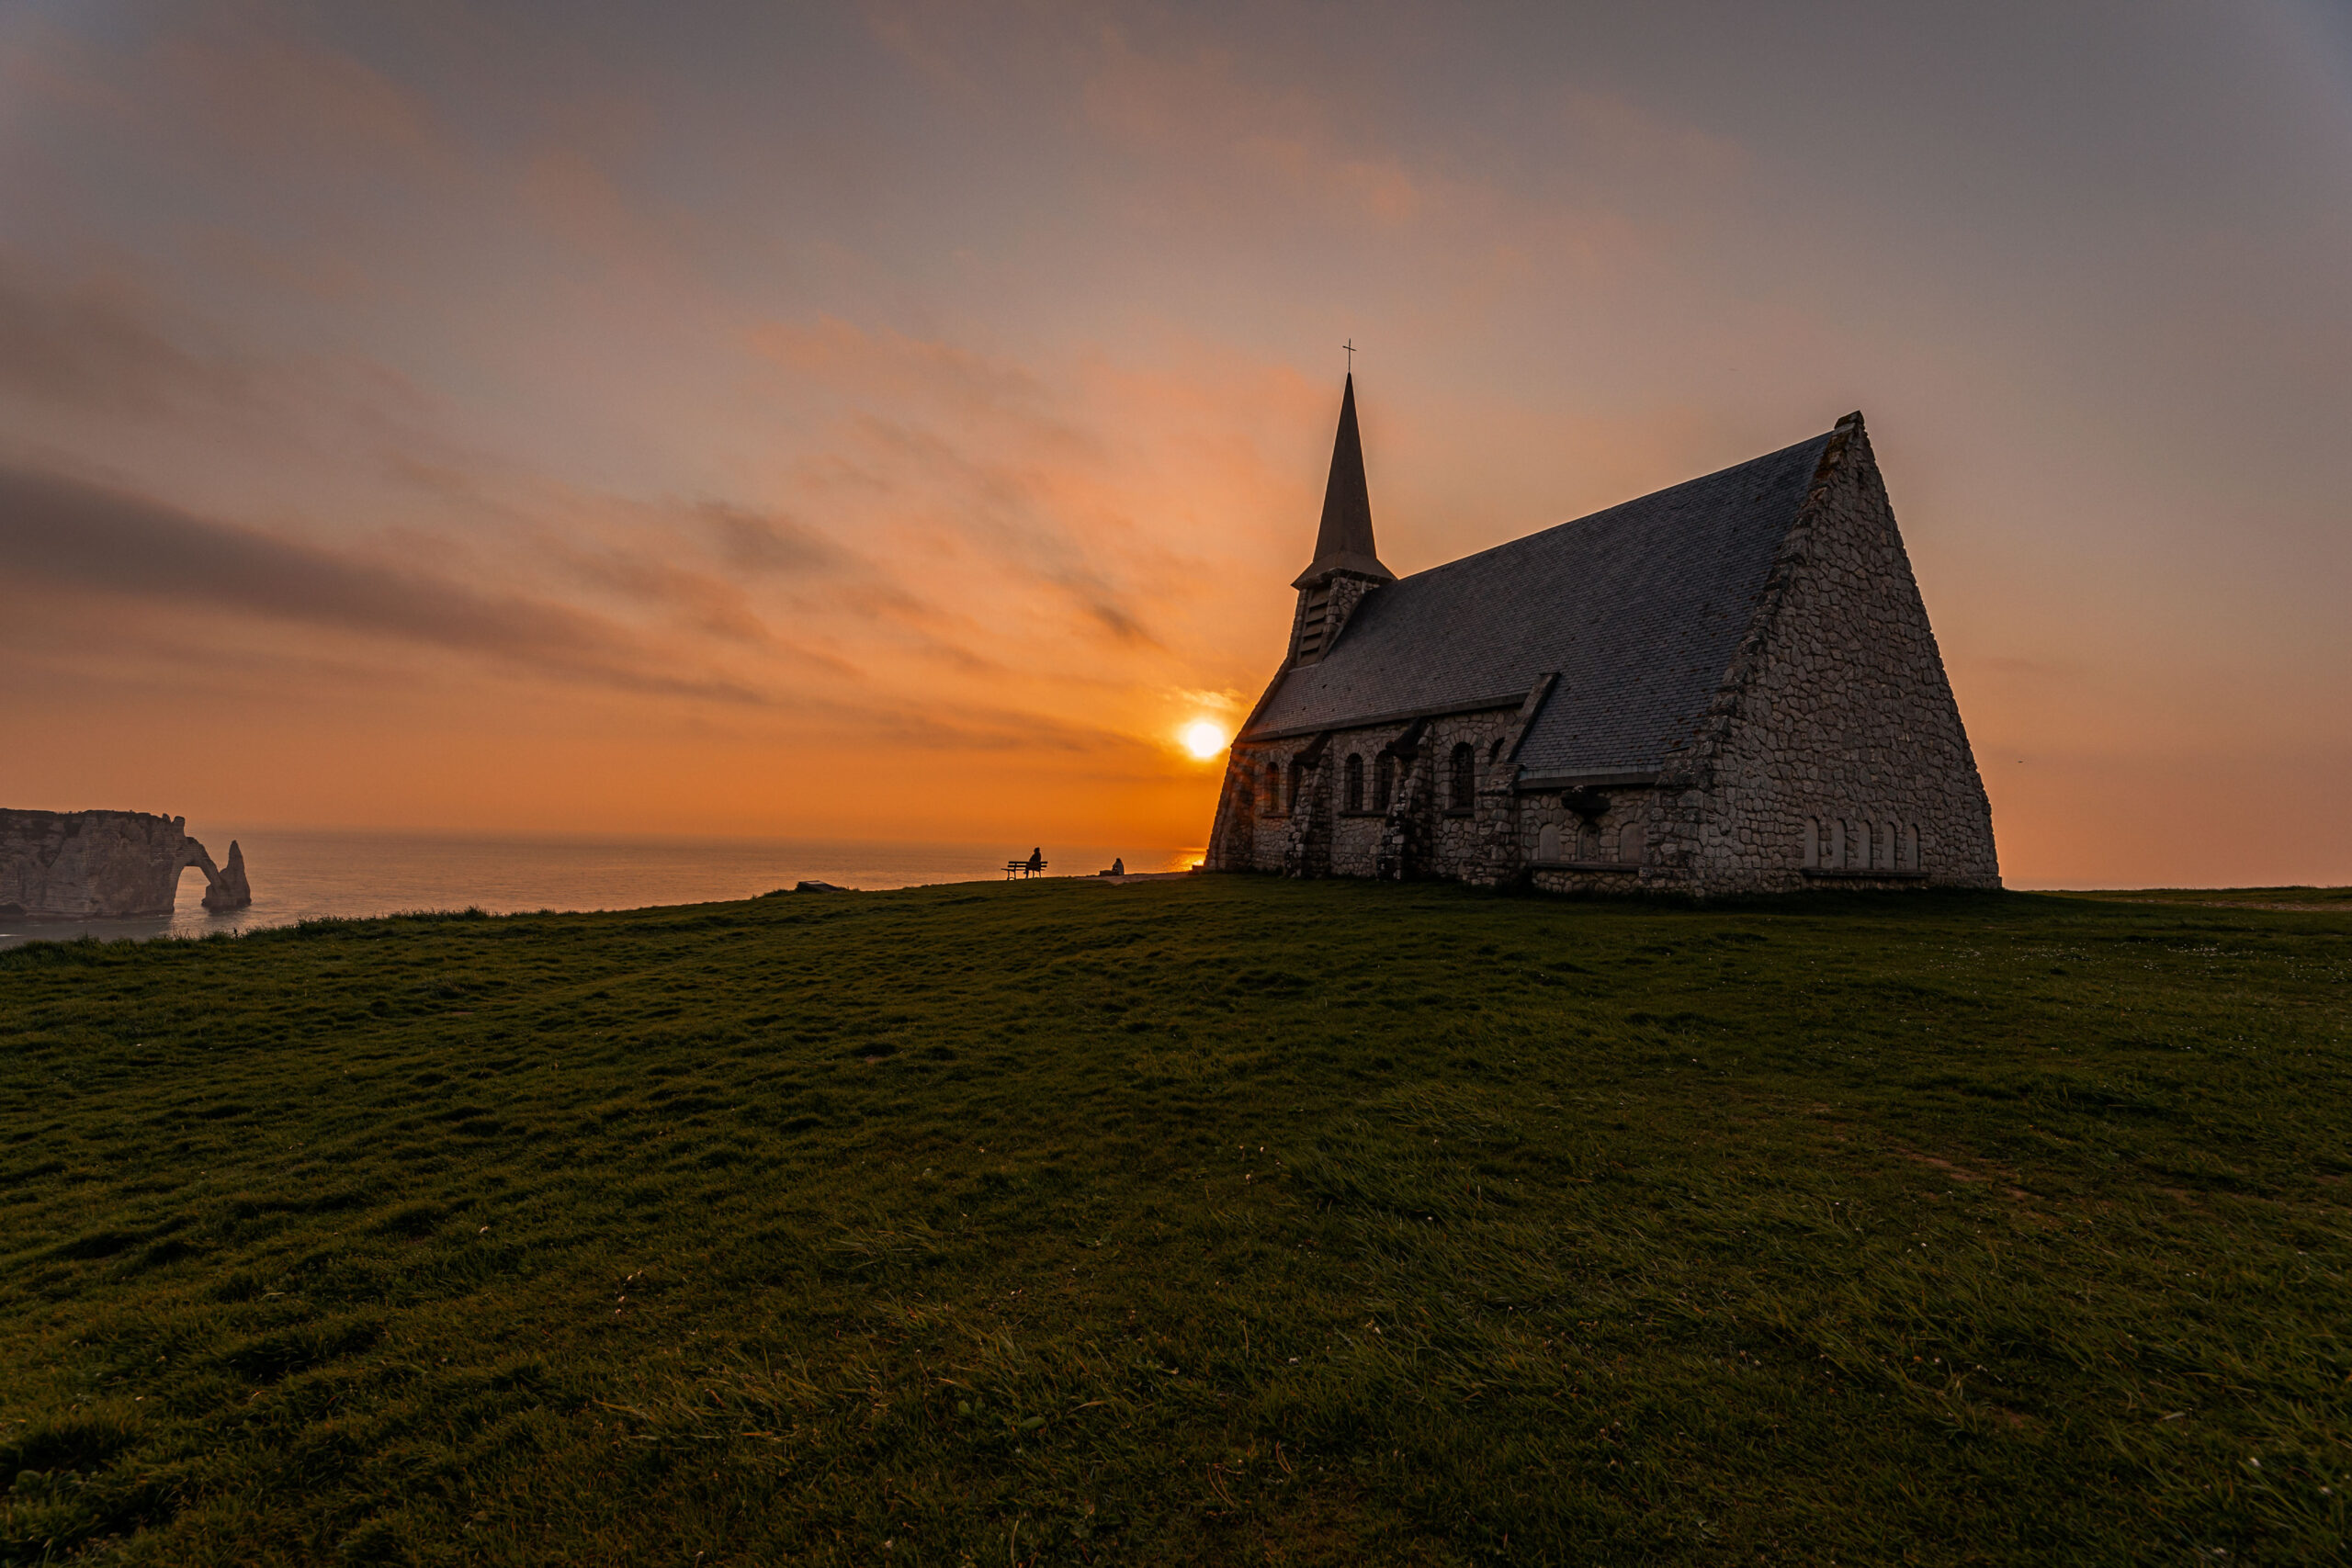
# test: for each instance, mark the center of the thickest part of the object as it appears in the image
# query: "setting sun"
(1203, 739)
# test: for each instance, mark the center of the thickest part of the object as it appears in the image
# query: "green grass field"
(1223, 1220)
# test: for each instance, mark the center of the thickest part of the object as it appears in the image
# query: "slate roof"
(1637, 609)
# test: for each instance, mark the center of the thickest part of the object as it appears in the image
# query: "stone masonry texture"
(1829, 752)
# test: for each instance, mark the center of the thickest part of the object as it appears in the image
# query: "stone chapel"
(1729, 686)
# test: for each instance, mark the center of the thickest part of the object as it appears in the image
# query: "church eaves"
(1344, 542)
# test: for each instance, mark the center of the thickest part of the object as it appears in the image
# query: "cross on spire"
(1350, 346)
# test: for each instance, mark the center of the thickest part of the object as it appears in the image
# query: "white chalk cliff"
(98, 864)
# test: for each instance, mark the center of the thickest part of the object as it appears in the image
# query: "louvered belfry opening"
(1314, 622)
(1729, 684)
(1347, 565)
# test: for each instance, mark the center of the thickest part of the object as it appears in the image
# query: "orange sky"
(896, 420)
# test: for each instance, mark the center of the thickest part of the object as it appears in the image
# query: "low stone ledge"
(1623, 866)
(1552, 784)
(1834, 873)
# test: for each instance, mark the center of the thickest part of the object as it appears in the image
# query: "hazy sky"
(896, 420)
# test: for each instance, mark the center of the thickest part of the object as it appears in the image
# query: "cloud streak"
(92, 347)
(70, 533)
(746, 418)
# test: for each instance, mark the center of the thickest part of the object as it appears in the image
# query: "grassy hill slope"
(1221, 1220)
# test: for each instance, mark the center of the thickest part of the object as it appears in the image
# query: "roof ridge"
(1550, 529)
(1639, 608)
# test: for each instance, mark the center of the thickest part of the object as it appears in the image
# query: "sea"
(302, 874)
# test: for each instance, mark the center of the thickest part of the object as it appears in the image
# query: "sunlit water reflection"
(304, 875)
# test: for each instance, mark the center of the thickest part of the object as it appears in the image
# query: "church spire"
(1344, 541)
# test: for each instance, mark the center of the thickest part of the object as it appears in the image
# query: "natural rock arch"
(103, 865)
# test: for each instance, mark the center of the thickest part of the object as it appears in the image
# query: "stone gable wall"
(1837, 714)
(1833, 755)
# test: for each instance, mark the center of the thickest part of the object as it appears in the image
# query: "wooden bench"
(1014, 868)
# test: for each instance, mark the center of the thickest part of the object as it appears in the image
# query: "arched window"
(1273, 789)
(1297, 783)
(1812, 843)
(1462, 787)
(1629, 843)
(1588, 843)
(1355, 782)
(1384, 782)
(1911, 846)
(1548, 842)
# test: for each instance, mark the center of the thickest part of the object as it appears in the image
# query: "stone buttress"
(1729, 685)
